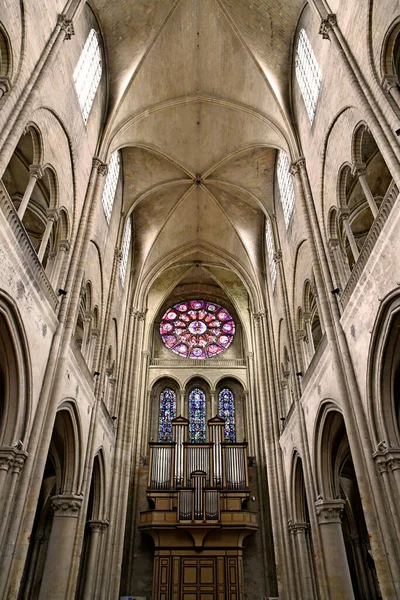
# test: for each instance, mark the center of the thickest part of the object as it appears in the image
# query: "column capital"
(12, 458)
(64, 245)
(329, 511)
(300, 334)
(52, 214)
(297, 165)
(327, 25)
(333, 243)
(358, 169)
(344, 213)
(261, 314)
(297, 527)
(5, 85)
(99, 165)
(36, 171)
(66, 25)
(66, 505)
(389, 81)
(118, 255)
(250, 355)
(98, 526)
(278, 256)
(387, 458)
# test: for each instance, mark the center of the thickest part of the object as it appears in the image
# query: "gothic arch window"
(110, 186)
(285, 184)
(271, 251)
(167, 413)
(226, 410)
(308, 74)
(197, 416)
(126, 243)
(87, 74)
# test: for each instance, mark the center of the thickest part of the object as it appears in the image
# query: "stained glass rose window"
(197, 329)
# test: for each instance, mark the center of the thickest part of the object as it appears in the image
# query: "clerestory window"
(286, 188)
(110, 186)
(125, 250)
(87, 74)
(308, 74)
(271, 252)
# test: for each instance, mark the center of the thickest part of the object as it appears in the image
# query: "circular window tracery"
(197, 329)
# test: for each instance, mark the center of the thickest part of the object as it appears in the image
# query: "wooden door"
(198, 579)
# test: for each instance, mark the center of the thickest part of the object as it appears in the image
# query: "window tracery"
(110, 186)
(167, 413)
(308, 74)
(125, 250)
(87, 74)
(226, 410)
(271, 252)
(197, 329)
(197, 416)
(285, 184)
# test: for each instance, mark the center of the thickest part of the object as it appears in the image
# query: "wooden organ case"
(198, 520)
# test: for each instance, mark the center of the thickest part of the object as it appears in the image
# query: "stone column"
(182, 407)
(344, 216)
(214, 403)
(359, 171)
(342, 267)
(14, 461)
(57, 273)
(52, 217)
(35, 173)
(329, 514)
(300, 533)
(97, 528)
(61, 546)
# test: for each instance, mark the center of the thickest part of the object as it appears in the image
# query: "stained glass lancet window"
(226, 410)
(110, 186)
(197, 416)
(87, 73)
(308, 74)
(166, 414)
(271, 251)
(286, 189)
(125, 250)
(197, 329)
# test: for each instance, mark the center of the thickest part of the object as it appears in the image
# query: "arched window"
(87, 74)
(285, 184)
(271, 252)
(226, 410)
(308, 74)
(166, 414)
(125, 250)
(110, 186)
(197, 416)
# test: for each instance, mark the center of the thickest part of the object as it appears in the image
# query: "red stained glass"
(200, 329)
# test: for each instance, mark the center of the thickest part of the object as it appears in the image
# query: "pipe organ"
(198, 493)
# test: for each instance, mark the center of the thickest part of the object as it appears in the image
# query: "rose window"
(197, 329)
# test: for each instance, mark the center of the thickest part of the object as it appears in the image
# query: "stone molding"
(327, 25)
(329, 511)
(66, 505)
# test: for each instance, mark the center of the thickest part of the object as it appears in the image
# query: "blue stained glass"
(226, 411)
(197, 416)
(166, 414)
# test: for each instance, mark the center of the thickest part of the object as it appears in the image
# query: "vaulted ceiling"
(198, 101)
